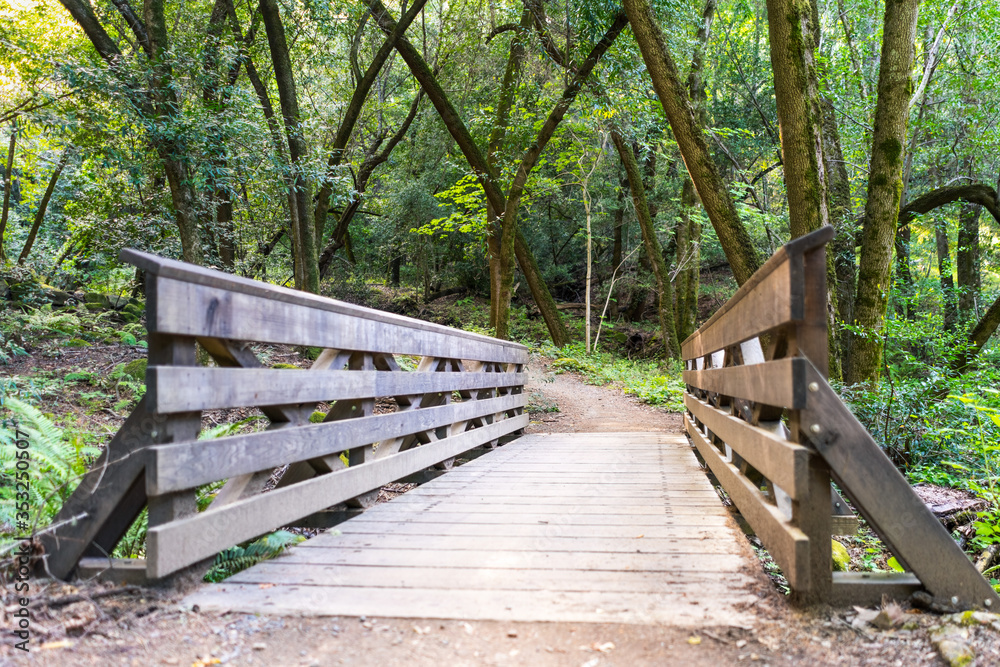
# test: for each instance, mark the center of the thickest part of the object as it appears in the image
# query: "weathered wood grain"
(197, 275)
(780, 382)
(885, 499)
(784, 463)
(181, 389)
(435, 553)
(731, 328)
(191, 309)
(190, 464)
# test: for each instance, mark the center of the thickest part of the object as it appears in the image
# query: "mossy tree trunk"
(690, 136)
(793, 32)
(885, 180)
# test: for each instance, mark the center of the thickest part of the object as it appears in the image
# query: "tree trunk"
(372, 161)
(980, 335)
(8, 178)
(508, 230)
(508, 88)
(712, 190)
(616, 248)
(842, 218)
(904, 278)
(967, 260)
(169, 148)
(460, 133)
(297, 146)
(688, 236)
(884, 188)
(654, 252)
(353, 112)
(794, 31)
(948, 304)
(43, 205)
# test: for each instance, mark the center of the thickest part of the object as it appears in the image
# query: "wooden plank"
(788, 545)
(586, 561)
(191, 539)
(550, 544)
(868, 588)
(117, 571)
(736, 321)
(190, 309)
(181, 389)
(190, 464)
(888, 504)
(278, 571)
(197, 275)
(784, 463)
(780, 382)
(611, 508)
(449, 516)
(529, 606)
(363, 525)
(758, 311)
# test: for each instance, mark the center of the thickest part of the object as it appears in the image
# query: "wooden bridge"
(620, 527)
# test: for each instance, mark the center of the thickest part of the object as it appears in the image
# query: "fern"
(55, 462)
(238, 558)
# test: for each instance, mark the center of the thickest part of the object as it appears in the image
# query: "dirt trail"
(149, 628)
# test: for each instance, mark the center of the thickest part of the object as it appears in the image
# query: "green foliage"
(54, 465)
(238, 558)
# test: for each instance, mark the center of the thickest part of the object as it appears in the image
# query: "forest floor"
(90, 624)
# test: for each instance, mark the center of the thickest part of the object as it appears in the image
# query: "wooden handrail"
(466, 392)
(774, 432)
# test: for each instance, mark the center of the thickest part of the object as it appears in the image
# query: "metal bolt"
(813, 386)
(954, 599)
(815, 428)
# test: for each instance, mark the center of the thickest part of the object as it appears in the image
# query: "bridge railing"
(773, 432)
(384, 422)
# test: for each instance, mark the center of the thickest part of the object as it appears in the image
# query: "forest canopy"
(531, 153)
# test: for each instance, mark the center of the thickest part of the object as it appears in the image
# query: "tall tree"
(512, 243)
(794, 32)
(298, 149)
(160, 108)
(885, 182)
(8, 181)
(43, 205)
(690, 136)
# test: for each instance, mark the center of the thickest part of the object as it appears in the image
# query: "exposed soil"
(89, 624)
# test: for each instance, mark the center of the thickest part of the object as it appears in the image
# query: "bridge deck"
(602, 527)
